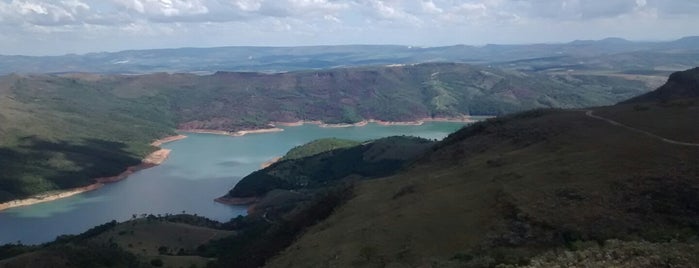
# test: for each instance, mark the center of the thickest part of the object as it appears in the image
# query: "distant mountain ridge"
(282, 59)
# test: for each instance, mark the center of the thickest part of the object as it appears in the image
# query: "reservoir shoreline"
(159, 156)
(418, 122)
(153, 159)
(199, 169)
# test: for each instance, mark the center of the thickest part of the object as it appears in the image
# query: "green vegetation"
(370, 160)
(269, 229)
(318, 146)
(62, 131)
(611, 54)
(144, 241)
(515, 190)
(542, 188)
(58, 133)
(623, 254)
(231, 101)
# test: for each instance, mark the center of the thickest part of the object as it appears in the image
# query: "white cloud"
(173, 23)
(168, 8)
(42, 13)
(430, 7)
(248, 5)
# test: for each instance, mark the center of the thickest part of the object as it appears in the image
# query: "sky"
(56, 27)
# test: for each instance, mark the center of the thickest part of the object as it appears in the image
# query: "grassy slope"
(58, 133)
(172, 239)
(173, 242)
(229, 101)
(507, 189)
(370, 160)
(318, 146)
(61, 131)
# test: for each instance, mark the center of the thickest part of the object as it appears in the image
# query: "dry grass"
(145, 239)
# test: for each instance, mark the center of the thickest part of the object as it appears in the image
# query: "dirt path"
(666, 140)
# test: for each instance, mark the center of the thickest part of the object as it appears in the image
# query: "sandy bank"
(257, 131)
(270, 162)
(229, 133)
(275, 125)
(237, 201)
(160, 142)
(151, 160)
(358, 124)
(296, 124)
(462, 119)
(51, 196)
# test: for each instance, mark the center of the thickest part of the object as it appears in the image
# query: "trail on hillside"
(666, 140)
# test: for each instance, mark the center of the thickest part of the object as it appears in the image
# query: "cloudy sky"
(53, 27)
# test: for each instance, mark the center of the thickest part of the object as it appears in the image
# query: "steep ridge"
(506, 190)
(680, 85)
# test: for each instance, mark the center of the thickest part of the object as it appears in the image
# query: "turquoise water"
(199, 169)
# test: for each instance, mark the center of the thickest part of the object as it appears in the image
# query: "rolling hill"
(369, 160)
(61, 131)
(611, 54)
(522, 189)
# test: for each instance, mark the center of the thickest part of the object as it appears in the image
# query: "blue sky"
(43, 27)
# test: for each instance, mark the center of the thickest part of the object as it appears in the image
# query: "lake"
(199, 169)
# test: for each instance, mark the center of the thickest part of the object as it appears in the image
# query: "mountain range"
(611, 54)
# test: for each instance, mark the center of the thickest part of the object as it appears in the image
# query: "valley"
(63, 131)
(573, 154)
(199, 169)
(540, 188)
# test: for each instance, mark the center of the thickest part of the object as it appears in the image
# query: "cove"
(199, 169)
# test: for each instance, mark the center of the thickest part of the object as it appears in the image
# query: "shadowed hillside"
(506, 190)
(680, 85)
(369, 160)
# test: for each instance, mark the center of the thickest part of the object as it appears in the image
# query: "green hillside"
(60, 131)
(230, 101)
(370, 160)
(518, 190)
(598, 187)
(318, 146)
